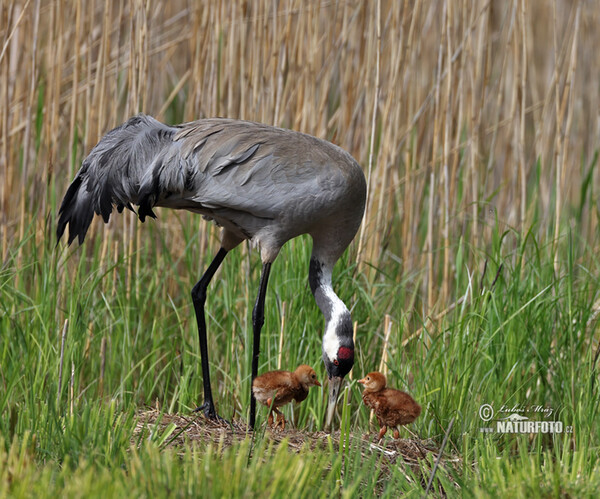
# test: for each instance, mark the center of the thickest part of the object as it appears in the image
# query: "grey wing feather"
(236, 172)
(111, 174)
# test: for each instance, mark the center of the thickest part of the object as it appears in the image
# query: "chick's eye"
(336, 362)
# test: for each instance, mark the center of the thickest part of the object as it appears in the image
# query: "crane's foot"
(396, 434)
(382, 432)
(211, 413)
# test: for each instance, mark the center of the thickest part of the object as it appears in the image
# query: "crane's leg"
(258, 319)
(199, 298)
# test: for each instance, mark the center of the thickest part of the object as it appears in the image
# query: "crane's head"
(338, 362)
(338, 345)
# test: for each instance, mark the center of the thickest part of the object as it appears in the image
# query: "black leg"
(258, 319)
(199, 298)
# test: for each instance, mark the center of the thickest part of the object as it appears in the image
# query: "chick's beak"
(335, 383)
(362, 381)
(316, 382)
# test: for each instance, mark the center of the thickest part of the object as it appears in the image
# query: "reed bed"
(462, 113)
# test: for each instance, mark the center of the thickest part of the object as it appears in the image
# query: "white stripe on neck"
(331, 342)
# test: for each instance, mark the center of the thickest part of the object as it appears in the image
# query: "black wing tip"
(145, 211)
(78, 227)
(148, 195)
(60, 230)
(74, 213)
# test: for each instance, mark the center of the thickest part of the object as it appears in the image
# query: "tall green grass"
(522, 332)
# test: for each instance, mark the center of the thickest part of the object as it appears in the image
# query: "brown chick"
(277, 388)
(392, 407)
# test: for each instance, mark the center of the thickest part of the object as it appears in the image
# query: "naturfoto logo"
(514, 420)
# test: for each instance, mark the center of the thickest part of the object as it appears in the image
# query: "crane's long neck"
(338, 323)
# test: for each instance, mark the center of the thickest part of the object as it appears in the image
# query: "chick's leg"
(382, 432)
(280, 418)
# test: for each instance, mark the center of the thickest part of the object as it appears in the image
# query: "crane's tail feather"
(112, 175)
(75, 213)
(147, 199)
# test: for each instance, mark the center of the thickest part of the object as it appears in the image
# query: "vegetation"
(474, 279)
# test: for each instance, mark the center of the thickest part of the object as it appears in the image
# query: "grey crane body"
(258, 182)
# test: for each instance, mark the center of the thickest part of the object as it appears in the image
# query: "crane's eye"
(368, 379)
(313, 376)
(336, 362)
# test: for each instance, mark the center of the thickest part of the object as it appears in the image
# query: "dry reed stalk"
(28, 133)
(445, 194)
(72, 390)
(386, 185)
(6, 18)
(387, 327)
(102, 367)
(497, 109)
(63, 337)
(75, 89)
(113, 71)
(563, 128)
(89, 135)
(231, 49)
(372, 140)
(182, 81)
(134, 284)
(429, 245)
(54, 122)
(437, 127)
(512, 146)
(86, 352)
(104, 59)
(558, 137)
(475, 75)
(232, 352)
(88, 341)
(522, 105)
(281, 330)
(115, 266)
(567, 128)
(254, 64)
(409, 157)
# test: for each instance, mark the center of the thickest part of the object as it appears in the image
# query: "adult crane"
(258, 182)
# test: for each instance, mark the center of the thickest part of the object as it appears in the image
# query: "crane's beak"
(335, 384)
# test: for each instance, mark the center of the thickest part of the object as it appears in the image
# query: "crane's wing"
(238, 173)
(240, 166)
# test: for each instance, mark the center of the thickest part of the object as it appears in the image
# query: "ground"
(196, 429)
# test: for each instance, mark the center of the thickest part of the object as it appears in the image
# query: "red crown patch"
(346, 353)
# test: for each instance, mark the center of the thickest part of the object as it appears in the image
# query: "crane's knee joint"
(199, 292)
